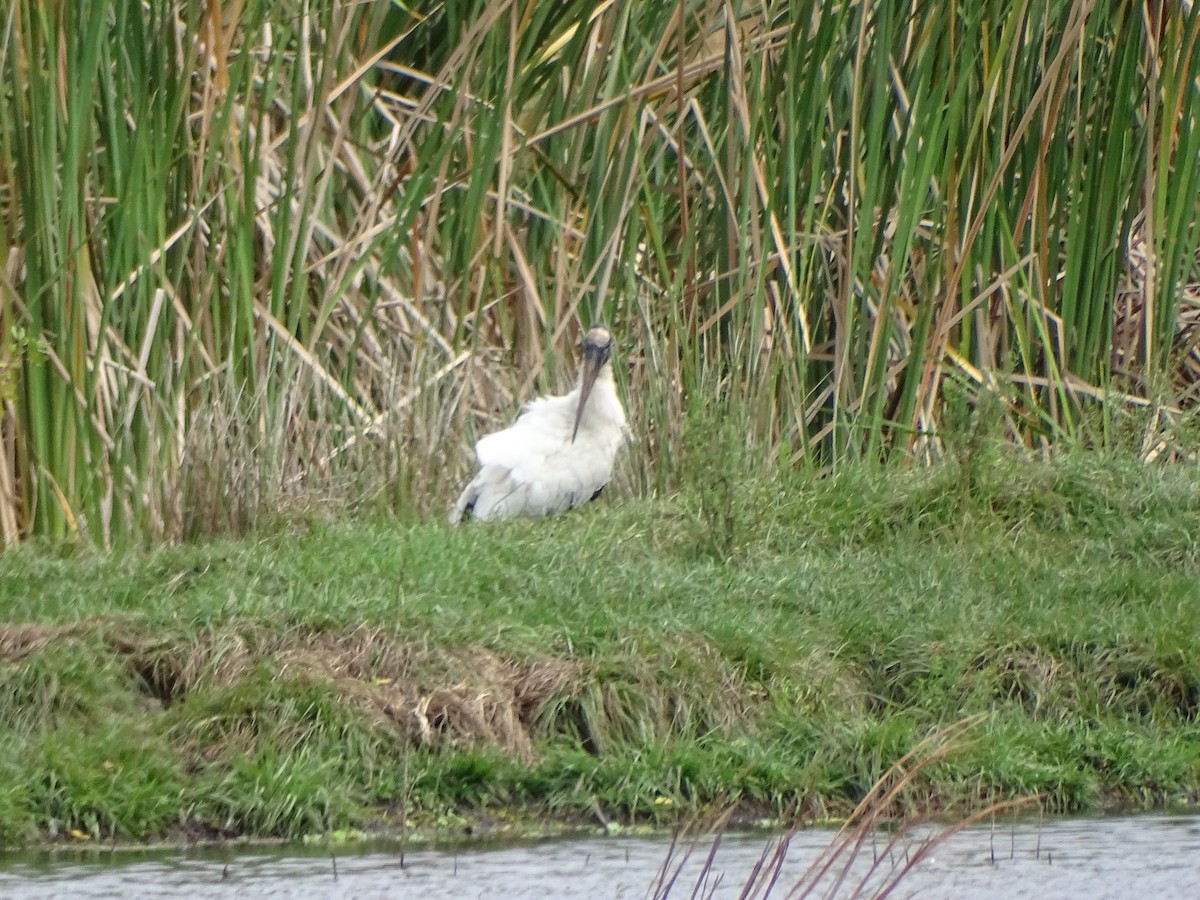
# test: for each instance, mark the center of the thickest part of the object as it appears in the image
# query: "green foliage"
(588, 669)
(284, 260)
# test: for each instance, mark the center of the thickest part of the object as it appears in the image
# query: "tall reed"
(318, 247)
(842, 869)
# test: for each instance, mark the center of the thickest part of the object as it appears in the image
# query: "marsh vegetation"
(266, 253)
(906, 302)
(616, 666)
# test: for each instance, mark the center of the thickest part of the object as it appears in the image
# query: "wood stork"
(560, 451)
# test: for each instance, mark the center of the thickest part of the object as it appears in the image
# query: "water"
(1097, 858)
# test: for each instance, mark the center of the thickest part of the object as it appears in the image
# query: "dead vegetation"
(427, 695)
(885, 814)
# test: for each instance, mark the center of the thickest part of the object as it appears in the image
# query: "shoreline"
(481, 836)
(321, 679)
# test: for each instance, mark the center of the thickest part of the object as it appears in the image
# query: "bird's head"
(597, 350)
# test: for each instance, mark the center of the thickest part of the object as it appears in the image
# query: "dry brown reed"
(840, 870)
(278, 250)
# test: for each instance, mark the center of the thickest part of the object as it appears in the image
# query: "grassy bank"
(775, 644)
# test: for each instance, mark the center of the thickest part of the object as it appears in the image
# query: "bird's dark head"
(597, 350)
(598, 344)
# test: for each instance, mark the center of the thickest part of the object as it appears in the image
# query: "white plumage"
(560, 451)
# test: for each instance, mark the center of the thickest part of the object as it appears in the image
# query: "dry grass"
(841, 870)
(18, 641)
(432, 696)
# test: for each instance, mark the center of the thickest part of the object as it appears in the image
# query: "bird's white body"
(535, 468)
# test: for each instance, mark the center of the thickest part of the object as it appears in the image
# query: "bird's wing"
(533, 468)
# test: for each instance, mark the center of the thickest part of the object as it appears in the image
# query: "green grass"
(617, 662)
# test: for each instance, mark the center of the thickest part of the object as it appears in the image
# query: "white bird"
(560, 451)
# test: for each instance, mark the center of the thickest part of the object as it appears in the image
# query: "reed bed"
(257, 254)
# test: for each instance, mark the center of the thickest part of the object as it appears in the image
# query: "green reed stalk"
(330, 244)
